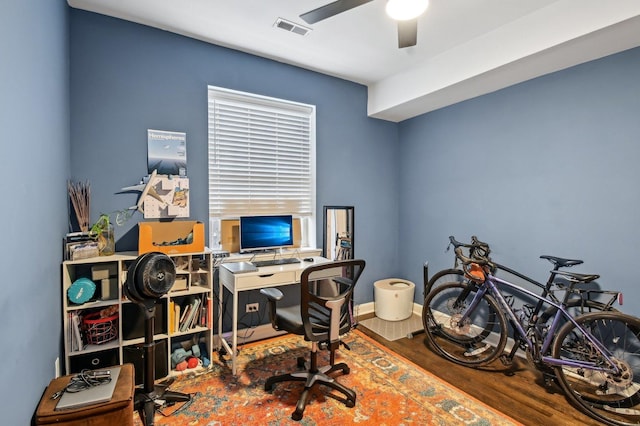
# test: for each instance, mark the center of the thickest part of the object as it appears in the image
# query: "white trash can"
(393, 299)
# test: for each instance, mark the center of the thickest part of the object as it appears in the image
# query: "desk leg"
(234, 331)
(220, 315)
(221, 339)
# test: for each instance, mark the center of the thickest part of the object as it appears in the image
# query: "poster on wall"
(167, 152)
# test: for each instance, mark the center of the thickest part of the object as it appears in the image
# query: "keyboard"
(272, 262)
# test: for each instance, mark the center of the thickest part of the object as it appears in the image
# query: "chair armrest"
(273, 294)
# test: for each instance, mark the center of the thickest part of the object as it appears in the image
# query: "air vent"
(291, 27)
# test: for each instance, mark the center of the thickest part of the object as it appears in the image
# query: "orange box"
(156, 236)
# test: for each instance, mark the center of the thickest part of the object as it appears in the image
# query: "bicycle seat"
(577, 278)
(560, 262)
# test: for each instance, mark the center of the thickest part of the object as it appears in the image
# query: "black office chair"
(322, 319)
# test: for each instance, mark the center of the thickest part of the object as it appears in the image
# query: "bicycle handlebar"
(478, 251)
(467, 260)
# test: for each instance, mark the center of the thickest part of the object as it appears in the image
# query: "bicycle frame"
(547, 289)
(490, 285)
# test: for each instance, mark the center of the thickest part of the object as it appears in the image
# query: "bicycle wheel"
(478, 341)
(608, 396)
(444, 277)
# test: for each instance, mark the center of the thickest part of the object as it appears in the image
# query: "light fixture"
(404, 10)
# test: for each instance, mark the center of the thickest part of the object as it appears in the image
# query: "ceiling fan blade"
(331, 9)
(407, 33)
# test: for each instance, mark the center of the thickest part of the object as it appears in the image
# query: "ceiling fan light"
(404, 10)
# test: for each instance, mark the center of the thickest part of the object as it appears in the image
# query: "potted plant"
(102, 232)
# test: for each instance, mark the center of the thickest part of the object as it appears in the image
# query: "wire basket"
(99, 330)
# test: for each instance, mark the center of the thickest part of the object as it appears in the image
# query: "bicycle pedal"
(506, 361)
(549, 381)
(477, 351)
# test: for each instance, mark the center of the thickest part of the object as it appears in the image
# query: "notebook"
(92, 395)
(240, 267)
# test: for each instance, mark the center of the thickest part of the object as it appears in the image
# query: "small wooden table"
(117, 411)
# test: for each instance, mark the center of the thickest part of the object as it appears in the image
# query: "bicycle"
(583, 302)
(594, 357)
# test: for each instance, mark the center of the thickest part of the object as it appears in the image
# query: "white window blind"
(261, 155)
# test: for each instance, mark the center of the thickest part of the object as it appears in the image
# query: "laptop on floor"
(90, 396)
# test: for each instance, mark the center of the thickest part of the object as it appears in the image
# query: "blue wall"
(34, 118)
(127, 78)
(549, 166)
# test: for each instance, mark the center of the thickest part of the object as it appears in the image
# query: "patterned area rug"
(390, 391)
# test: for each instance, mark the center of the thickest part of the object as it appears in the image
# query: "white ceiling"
(465, 48)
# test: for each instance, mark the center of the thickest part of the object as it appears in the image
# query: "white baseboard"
(363, 309)
(369, 308)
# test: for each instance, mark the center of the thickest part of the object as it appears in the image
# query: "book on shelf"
(172, 317)
(195, 319)
(77, 342)
(176, 318)
(203, 311)
(192, 309)
(183, 317)
(70, 337)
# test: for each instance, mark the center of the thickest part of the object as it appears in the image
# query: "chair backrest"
(326, 299)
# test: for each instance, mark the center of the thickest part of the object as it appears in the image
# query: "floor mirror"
(338, 232)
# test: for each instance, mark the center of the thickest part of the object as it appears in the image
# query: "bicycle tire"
(479, 341)
(612, 399)
(443, 277)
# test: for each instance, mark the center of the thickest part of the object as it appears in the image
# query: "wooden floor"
(518, 391)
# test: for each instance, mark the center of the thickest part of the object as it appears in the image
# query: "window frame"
(267, 105)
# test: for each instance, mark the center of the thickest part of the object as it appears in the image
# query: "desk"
(266, 276)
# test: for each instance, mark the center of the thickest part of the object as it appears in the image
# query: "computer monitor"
(265, 232)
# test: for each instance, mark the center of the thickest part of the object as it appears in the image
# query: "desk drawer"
(257, 281)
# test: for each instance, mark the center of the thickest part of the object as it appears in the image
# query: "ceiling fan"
(405, 12)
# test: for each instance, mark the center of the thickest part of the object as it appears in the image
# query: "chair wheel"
(296, 416)
(346, 370)
(350, 403)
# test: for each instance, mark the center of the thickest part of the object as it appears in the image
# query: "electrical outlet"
(252, 307)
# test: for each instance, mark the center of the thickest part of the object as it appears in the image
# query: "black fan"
(149, 278)
(407, 29)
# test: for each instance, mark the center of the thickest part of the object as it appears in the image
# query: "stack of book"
(79, 245)
(188, 315)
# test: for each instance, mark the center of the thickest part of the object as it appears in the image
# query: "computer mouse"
(308, 259)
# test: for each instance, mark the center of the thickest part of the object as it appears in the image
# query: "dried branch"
(80, 195)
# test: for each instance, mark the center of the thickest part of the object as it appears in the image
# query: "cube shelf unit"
(194, 281)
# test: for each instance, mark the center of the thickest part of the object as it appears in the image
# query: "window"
(261, 159)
